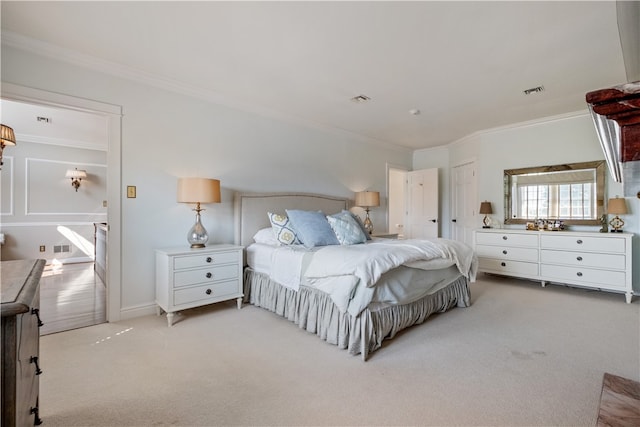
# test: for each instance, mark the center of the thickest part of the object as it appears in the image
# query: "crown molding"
(48, 50)
(61, 142)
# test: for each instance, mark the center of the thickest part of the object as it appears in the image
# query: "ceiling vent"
(360, 99)
(43, 119)
(533, 90)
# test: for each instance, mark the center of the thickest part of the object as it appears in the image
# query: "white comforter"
(349, 273)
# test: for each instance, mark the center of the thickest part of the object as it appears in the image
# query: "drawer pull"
(504, 237)
(209, 275)
(579, 241)
(208, 292)
(504, 264)
(579, 258)
(209, 259)
(504, 252)
(36, 311)
(37, 420)
(579, 273)
(34, 359)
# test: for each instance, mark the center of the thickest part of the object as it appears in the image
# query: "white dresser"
(188, 278)
(586, 259)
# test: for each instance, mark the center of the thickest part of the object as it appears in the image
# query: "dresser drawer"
(519, 268)
(607, 278)
(583, 259)
(193, 261)
(583, 243)
(510, 253)
(206, 293)
(204, 275)
(507, 239)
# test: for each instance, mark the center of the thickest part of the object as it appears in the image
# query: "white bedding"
(351, 274)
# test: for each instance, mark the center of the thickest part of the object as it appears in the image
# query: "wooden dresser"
(20, 341)
(585, 259)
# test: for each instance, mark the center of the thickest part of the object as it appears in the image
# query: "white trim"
(74, 260)
(45, 224)
(138, 311)
(11, 184)
(113, 113)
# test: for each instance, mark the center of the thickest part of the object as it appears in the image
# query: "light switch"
(131, 191)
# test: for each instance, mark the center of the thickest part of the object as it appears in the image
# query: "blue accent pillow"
(312, 228)
(346, 230)
(358, 220)
(283, 230)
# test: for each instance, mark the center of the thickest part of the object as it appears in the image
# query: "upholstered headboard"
(250, 209)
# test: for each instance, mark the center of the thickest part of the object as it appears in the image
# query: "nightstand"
(385, 235)
(188, 278)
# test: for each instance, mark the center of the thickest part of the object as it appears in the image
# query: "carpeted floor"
(521, 355)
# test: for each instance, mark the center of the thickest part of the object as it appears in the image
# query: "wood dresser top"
(19, 281)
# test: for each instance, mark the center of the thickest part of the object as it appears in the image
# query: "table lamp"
(198, 190)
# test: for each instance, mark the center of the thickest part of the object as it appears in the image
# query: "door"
(464, 203)
(397, 185)
(423, 206)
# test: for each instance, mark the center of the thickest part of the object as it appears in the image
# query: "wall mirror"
(572, 193)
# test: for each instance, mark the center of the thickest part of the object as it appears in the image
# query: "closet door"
(423, 212)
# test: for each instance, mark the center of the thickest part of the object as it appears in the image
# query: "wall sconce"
(617, 207)
(76, 176)
(366, 200)
(8, 138)
(486, 209)
(198, 190)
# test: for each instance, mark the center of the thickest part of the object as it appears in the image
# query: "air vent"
(61, 248)
(360, 99)
(44, 119)
(533, 90)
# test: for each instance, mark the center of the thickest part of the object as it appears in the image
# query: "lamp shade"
(617, 206)
(485, 208)
(367, 199)
(198, 190)
(76, 174)
(7, 135)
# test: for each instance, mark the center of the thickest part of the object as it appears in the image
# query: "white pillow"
(266, 236)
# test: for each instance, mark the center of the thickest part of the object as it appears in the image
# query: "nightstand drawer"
(204, 275)
(610, 279)
(192, 261)
(511, 253)
(584, 243)
(588, 259)
(205, 294)
(511, 239)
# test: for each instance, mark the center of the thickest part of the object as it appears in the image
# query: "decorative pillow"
(360, 223)
(266, 236)
(283, 230)
(347, 230)
(312, 228)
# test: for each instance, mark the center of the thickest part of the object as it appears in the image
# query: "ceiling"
(463, 65)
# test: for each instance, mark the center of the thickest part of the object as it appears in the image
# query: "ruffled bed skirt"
(314, 311)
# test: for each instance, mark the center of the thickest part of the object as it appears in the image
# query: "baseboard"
(137, 311)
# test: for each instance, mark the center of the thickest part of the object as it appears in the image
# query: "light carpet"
(521, 355)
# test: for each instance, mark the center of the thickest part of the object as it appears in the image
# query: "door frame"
(113, 114)
(404, 169)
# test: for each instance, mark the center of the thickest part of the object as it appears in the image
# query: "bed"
(353, 296)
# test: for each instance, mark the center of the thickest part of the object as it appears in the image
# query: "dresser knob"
(34, 359)
(504, 252)
(36, 311)
(579, 258)
(579, 274)
(504, 264)
(579, 241)
(504, 237)
(209, 275)
(208, 292)
(209, 259)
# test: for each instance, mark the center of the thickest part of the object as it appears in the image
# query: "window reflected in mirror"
(573, 193)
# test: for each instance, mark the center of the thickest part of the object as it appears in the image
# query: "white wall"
(559, 140)
(167, 135)
(40, 207)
